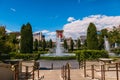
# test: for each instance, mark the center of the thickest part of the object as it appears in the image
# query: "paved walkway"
(76, 74)
(51, 74)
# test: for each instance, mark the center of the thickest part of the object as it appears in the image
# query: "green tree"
(104, 32)
(12, 38)
(36, 45)
(50, 43)
(2, 33)
(71, 45)
(114, 36)
(13, 41)
(101, 35)
(26, 39)
(92, 41)
(65, 44)
(78, 44)
(40, 43)
(47, 44)
(22, 40)
(101, 43)
(44, 44)
(84, 45)
(4, 45)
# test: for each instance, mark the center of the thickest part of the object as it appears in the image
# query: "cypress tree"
(92, 41)
(30, 38)
(44, 44)
(50, 43)
(22, 40)
(40, 43)
(78, 43)
(47, 44)
(36, 45)
(26, 39)
(71, 44)
(65, 44)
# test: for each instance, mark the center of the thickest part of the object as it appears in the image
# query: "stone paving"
(76, 74)
(56, 75)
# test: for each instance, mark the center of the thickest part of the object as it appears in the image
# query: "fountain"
(107, 47)
(58, 47)
(116, 45)
(59, 50)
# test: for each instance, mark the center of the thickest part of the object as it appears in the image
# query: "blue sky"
(52, 14)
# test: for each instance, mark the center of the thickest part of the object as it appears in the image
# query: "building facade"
(38, 35)
(59, 34)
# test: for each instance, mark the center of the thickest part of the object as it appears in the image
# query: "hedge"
(58, 58)
(116, 50)
(4, 56)
(26, 56)
(91, 54)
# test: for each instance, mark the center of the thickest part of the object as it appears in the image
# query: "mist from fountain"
(116, 45)
(59, 50)
(107, 45)
(58, 47)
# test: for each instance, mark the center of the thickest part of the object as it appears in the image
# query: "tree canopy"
(78, 43)
(71, 45)
(36, 45)
(65, 44)
(92, 41)
(26, 43)
(4, 45)
(43, 44)
(50, 43)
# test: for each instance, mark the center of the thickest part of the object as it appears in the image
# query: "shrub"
(27, 56)
(58, 58)
(90, 54)
(42, 52)
(116, 50)
(4, 56)
(41, 49)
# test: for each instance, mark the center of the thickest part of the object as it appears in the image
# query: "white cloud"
(79, 27)
(12, 9)
(71, 19)
(48, 34)
(51, 35)
(44, 31)
(8, 31)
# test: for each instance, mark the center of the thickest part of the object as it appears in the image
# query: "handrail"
(15, 69)
(65, 72)
(103, 69)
